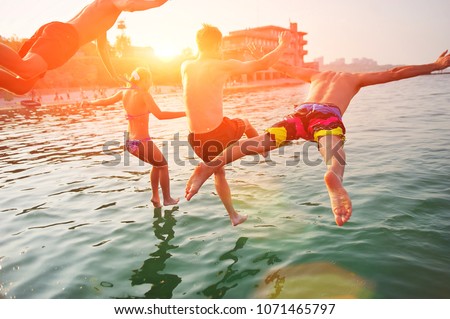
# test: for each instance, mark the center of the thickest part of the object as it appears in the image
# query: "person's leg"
(160, 173)
(250, 131)
(223, 190)
(202, 172)
(154, 182)
(331, 148)
(164, 181)
(29, 67)
(15, 84)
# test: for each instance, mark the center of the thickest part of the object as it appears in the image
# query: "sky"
(388, 31)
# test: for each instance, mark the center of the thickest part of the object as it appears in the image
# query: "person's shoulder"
(227, 64)
(335, 74)
(202, 64)
(122, 5)
(187, 63)
(230, 61)
(115, 3)
(323, 75)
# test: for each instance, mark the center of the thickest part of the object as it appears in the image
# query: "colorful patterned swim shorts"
(310, 122)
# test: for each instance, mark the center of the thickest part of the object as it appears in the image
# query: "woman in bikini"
(138, 104)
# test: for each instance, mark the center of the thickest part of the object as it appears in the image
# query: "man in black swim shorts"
(203, 82)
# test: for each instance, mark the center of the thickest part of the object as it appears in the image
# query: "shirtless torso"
(333, 88)
(95, 19)
(203, 82)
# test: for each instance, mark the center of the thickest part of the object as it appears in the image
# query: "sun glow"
(167, 52)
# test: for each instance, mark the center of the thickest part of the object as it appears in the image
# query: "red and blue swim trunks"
(310, 121)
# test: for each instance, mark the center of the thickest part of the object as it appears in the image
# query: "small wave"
(51, 225)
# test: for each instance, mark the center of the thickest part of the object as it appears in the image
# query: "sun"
(166, 52)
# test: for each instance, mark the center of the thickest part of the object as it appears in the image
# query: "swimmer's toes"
(189, 194)
(341, 215)
(188, 187)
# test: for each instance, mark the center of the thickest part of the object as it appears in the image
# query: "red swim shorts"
(208, 145)
(55, 42)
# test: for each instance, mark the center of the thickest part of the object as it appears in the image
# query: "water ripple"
(75, 224)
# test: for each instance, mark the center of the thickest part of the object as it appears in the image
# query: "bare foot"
(341, 205)
(156, 202)
(171, 201)
(201, 173)
(238, 219)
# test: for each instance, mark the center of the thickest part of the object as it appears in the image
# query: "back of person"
(97, 17)
(136, 113)
(336, 88)
(203, 92)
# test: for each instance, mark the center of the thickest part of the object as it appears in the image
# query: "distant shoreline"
(47, 99)
(73, 96)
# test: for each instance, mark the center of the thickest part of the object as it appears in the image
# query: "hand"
(256, 51)
(443, 61)
(284, 38)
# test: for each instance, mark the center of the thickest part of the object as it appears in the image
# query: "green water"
(77, 223)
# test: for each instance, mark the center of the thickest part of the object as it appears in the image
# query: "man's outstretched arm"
(263, 63)
(105, 101)
(295, 72)
(103, 49)
(404, 72)
(138, 5)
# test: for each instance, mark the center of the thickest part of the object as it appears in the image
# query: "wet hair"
(208, 38)
(140, 74)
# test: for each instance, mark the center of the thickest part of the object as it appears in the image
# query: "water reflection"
(231, 276)
(151, 272)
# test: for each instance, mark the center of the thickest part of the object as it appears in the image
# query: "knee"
(32, 68)
(248, 125)
(160, 167)
(220, 173)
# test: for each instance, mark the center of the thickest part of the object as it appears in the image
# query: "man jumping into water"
(320, 120)
(56, 42)
(203, 81)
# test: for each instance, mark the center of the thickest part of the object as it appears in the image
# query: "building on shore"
(235, 46)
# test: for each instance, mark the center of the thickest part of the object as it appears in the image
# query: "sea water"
(76, 219)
